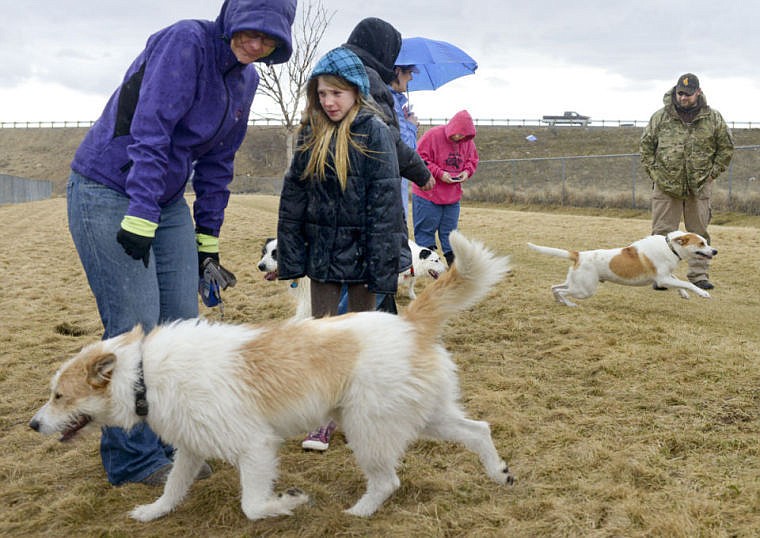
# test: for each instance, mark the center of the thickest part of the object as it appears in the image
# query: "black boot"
(449, 257)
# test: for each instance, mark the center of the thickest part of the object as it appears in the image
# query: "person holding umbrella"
(407, 120)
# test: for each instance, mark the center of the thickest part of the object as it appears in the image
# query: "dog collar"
(670, 246)
(141, 402)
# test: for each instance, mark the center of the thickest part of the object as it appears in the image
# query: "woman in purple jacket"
(181, 112)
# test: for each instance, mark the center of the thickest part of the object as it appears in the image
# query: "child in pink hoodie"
(450, 153)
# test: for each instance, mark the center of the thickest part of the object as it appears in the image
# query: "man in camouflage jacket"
(684, 148)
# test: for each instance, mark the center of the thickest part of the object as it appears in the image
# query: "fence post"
(564, 182)
(730, 185)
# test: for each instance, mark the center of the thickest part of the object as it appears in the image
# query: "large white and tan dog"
(651, 260)
(425, 263)
(235, 392)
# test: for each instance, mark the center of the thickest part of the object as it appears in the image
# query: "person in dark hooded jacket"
(377, 43)
(180, 112)
(340, 216)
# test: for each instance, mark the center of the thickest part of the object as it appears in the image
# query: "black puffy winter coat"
(350, 236)
(377, 43)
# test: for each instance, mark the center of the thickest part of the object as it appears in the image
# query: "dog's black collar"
(670, 246)
(141, 402)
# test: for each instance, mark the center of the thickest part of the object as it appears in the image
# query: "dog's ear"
(681, 239)
(425, 253)
(99, 370)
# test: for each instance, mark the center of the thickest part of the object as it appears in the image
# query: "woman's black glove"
(135, 245)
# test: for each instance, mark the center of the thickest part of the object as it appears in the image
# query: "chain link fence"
(604, 181)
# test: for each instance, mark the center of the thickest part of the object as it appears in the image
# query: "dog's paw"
(704, 294)
(503, 476)
(148, 512)
(684, 294)
(280, 505)
(360, 510)
(294, 496)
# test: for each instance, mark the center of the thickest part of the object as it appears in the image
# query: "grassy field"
(635, 414)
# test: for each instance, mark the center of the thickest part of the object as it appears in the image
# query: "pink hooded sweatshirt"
(444, 155)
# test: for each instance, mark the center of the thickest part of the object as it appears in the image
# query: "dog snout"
(34, 424)
(262, 266)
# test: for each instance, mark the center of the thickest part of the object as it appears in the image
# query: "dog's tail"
(473, 274)
(558, 252)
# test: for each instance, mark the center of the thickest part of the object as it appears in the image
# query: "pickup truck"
(568, 118)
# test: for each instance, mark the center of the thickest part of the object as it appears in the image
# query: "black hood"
(377, 43)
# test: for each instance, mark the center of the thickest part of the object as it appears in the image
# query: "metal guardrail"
(495, 122)
(89, 123)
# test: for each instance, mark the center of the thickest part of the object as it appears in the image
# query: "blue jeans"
(127, 294)
(430, 218)
(343, 301)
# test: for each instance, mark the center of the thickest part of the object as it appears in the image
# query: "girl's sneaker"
(319, 439)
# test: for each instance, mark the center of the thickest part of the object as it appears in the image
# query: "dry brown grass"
(635, 414)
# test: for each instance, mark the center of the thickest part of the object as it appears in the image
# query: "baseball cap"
(688, 83)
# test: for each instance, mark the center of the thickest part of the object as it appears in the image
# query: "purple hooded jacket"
(182, 111)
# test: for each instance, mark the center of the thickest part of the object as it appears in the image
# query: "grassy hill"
(46, 154)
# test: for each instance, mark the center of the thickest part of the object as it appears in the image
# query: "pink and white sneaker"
(319, 439)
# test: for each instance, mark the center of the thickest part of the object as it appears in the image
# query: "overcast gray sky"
(612, 60)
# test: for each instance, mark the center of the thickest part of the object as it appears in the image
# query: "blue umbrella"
(438, 62)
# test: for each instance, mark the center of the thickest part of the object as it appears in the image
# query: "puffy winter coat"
(181, 111)
(350, 236)
(444, 155)
(378, 43)
(680, 158)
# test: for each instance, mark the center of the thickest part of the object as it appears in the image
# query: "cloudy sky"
(612, 60)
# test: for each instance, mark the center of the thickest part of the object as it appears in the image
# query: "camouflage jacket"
(680, 158)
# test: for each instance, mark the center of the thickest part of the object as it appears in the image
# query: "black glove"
(213, 279)
(137, 246)
(202, 257)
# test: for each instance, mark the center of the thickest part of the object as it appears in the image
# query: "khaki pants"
(696, 212)
(326, 295)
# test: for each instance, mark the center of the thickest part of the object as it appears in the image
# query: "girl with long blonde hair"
(338, 220)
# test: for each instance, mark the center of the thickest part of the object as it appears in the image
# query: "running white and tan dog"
(651, 260)
(234, 392)
(425, 263)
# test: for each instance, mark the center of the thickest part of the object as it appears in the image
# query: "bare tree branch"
(285, 84)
